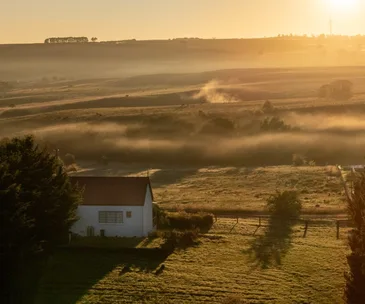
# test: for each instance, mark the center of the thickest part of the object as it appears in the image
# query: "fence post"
(305, 229)
(338, 229)
(215, 216)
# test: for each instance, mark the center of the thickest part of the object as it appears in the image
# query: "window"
(110, 217)
(129, 214)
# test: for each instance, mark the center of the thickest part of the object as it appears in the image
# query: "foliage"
(299, 160)
(179, 239)
(159, 216)
(187, 221)
(284, 205)
(66, 40)
(355, 278)
(38, 202)
(218, 125)
(274, 124)
(284, 208)
(337, 90)
(268, 107)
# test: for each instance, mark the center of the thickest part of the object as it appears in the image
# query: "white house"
(114, 206)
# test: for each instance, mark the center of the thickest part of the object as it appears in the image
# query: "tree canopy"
(38, 203)
(355, 278)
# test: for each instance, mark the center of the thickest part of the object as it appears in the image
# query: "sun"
(343, 5)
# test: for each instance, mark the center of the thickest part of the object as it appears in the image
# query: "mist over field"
(192, 103)
(195, 140)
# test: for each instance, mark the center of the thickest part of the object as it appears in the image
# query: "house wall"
(148, 213)
(89, 216)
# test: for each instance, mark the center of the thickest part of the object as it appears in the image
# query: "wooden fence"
(306, 222)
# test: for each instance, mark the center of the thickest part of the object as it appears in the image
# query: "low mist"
(320, 139)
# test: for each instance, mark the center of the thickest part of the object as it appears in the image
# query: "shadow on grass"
(269, 249)
(72, 273)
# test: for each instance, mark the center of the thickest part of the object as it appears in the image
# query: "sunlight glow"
(343, 5)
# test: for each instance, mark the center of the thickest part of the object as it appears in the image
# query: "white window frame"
(111, 217)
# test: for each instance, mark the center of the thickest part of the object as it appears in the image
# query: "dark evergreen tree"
(37, 205)
(355, 278)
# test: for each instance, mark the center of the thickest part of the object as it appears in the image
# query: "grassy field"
(219, 269)
(233, 190)
(208, 143)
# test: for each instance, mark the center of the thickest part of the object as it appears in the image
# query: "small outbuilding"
(114, 206)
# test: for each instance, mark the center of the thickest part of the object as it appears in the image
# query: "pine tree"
(37, 204)
(355, 278)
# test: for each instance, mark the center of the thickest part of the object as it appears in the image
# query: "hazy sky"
(35, 20)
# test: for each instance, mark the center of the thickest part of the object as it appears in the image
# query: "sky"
(30, 21)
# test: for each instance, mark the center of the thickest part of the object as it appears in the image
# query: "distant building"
(114, 206)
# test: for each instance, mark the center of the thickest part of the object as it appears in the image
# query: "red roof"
(113, 191)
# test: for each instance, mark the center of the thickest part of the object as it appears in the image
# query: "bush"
(274, 124)
(284, 205)
(159, 217)
(299, 160)
(188, 221)
(337, 90)
(179, 239)
(268, 107)
(218, 125)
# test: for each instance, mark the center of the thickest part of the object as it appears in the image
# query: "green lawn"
(311, 271)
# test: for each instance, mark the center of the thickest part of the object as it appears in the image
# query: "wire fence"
(262, 221)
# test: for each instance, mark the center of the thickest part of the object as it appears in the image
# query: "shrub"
(218, 125)
(188, 221)
(337, 90)
(284, 205)
(69, 159)
(179, 239)
(299, 160)
(324, 91)
(268, 107)
(312, 163)
(159, 216)
(274, 124)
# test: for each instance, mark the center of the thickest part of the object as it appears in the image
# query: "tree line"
(69, 40)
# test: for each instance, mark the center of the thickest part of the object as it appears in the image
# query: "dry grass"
(246, 189)
(95, 117)
(217, 269)
(234, 189)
